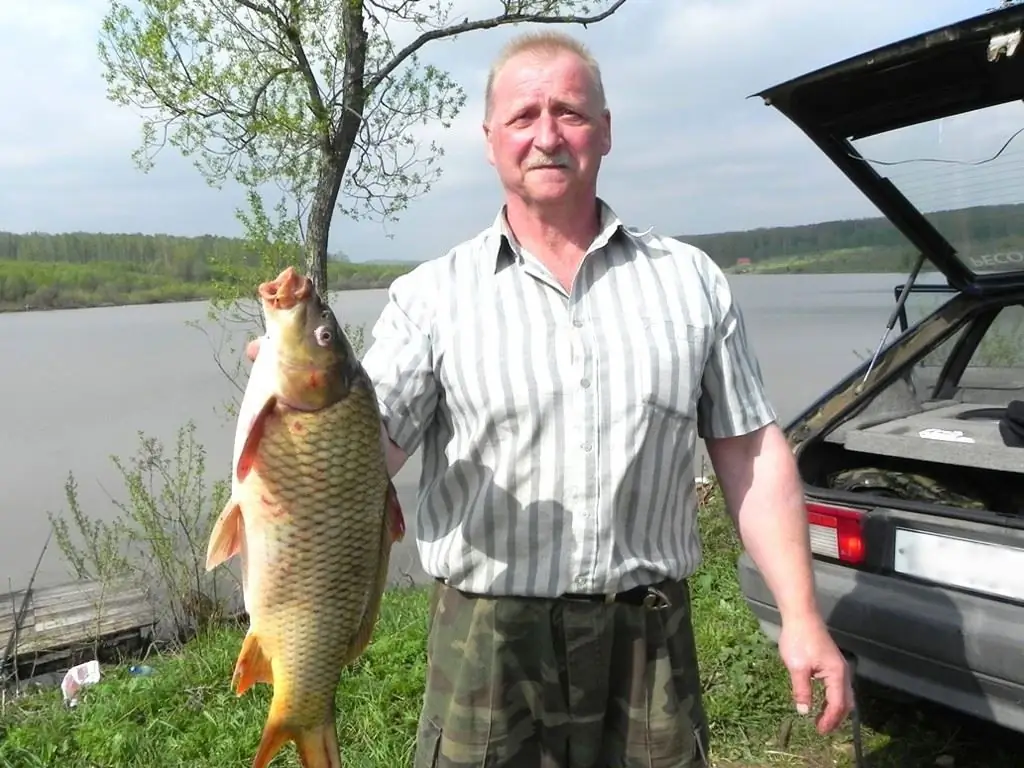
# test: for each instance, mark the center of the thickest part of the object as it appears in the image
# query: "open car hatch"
(931, 130)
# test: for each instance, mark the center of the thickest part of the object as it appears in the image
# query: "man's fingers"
(838, 700)
(801, 681)
(251, 349)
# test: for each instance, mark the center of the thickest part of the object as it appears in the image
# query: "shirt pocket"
(670, 357)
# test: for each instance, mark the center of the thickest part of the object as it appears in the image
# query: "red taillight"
(836, 532)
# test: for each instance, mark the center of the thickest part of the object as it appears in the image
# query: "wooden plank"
(10, 604)
(87, 592)
(84, 618)
(78, 608)
(75, 613)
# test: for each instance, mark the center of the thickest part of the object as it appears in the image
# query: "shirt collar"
(505, 248)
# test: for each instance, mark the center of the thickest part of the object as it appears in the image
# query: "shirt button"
(585, 383)
(588, 447)
(578, 323)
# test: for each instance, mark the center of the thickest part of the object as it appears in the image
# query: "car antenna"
(893, 317)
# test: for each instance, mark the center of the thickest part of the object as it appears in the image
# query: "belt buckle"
(656, 600)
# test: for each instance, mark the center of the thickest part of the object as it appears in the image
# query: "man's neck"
(554, 233)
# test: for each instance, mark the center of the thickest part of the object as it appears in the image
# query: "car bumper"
(957, 649)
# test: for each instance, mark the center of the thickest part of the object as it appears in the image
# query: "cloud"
(692, 153)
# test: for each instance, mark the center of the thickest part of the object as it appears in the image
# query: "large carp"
(313, 515)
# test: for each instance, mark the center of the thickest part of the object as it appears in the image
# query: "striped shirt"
(559, 429)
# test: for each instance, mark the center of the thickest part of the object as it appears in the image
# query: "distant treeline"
(84, 269)
(862, 245)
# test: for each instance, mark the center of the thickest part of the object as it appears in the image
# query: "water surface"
(78, 386)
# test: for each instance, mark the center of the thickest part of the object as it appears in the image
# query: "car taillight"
(836, 532)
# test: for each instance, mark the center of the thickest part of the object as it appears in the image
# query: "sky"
(691, 153)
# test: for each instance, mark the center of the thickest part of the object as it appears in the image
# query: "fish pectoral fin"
(395, 517)
(251, 446)
(252, 666)
(226, 537)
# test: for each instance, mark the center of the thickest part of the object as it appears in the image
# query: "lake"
(78, 386)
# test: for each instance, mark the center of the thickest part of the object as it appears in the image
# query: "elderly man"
(556, 370)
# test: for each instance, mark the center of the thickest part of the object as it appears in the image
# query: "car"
(913, 464)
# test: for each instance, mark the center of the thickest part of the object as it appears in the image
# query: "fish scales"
(320, 543)
(312, 514)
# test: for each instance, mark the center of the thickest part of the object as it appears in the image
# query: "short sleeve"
(400, 361)
(733, 399)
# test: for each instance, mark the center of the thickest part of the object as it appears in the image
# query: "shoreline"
(7, 309)
(208, 294)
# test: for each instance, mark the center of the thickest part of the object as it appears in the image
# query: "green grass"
(185, 714)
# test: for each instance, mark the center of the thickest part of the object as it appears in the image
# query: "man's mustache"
(559, 160)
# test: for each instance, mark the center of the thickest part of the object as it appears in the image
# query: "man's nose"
(547, 137)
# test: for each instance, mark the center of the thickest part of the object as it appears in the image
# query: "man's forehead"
(526, 75)
(533, 66)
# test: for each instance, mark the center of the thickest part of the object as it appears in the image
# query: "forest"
(861, 245)
(83, 269)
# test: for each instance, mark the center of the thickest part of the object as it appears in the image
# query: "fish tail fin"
(318, 746)
(275, 736)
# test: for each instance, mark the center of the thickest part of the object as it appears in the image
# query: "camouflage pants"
(532, 683)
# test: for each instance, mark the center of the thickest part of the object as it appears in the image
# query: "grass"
(184, 714)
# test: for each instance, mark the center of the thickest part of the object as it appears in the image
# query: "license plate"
(992, 568)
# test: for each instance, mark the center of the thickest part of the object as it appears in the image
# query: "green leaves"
(314, 97)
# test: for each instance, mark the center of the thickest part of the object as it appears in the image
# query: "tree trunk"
(336, 151)
(318, 223)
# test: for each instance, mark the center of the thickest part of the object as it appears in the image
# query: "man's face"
(547, 131)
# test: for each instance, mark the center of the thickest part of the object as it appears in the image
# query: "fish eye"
(323, 335)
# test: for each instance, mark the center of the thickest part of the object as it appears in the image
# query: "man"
(556, 370)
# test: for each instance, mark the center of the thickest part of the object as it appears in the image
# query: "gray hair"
(544, 43)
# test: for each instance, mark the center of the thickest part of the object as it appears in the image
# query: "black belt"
(645, 596)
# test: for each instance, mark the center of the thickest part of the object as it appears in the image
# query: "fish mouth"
(286, 290)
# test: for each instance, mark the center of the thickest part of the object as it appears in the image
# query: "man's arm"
(764, 496)
(762, 489)
(752, 461)
(400, 362)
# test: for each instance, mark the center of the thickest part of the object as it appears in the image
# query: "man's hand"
(809, 653)
(252, 349)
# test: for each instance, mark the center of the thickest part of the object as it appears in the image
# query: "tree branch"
(471, 26)
(291, 32)
(353, 89)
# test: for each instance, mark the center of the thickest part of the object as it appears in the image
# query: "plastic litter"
(78, 677)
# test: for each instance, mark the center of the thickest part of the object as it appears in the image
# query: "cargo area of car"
(948, 453)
